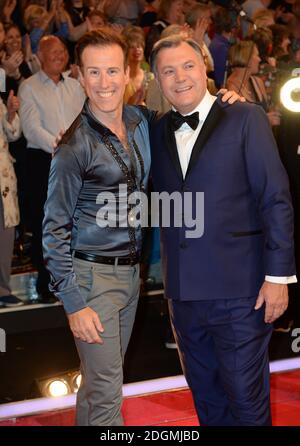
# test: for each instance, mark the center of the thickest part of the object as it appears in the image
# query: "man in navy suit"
(226, 287)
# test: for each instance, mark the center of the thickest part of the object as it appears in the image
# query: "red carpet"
(175, 408)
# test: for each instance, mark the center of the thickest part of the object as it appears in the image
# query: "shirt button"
(183, 245)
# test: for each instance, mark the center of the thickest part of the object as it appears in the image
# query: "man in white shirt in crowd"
(50, 101)
(124, 12)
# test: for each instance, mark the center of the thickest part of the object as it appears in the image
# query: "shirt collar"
(130, 115)
(45, 78)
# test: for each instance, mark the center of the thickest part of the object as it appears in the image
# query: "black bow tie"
(178, 120)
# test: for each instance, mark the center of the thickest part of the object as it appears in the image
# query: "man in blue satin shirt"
(102, 159)
(95, 268)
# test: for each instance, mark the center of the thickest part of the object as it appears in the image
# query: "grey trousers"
(7, 237)
(111, 291)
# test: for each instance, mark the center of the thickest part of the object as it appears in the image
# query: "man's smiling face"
(181, 73)
(104, 77)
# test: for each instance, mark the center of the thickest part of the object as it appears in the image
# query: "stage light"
(58, 387)
(290, 92)
(76, 381)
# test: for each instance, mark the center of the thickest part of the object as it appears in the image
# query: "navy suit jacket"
(248, 216)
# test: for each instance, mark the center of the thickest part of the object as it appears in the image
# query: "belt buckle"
(133, 261)
(111, 261)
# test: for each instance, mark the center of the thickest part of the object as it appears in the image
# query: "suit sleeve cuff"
(283, 280)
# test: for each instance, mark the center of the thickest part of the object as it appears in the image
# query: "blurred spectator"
(14, 51)
(250, 7)
(50, 101)
(244, 62)
(2, 38)
(220, 44)
(296, 56)
(139, 77)
(97, 19)
(25, 65)
(149, 15)
(15, 15)
(96, 5)
(188, 5)
(9, 211)
(295, 28)
(37, 21)
(10, 63)
(283, 10)
(124, 12)
(199, 18)
(77, 10)
(296, 9)
(263, 18)
(263, 38)
(169, 13)
(281, 42)
(7, 11)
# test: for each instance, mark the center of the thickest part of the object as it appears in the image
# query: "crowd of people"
(63, 69)
(239, 55)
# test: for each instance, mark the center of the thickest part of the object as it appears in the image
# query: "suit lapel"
(213, 118)
(170, 141)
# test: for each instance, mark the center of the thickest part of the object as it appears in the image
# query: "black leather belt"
(106, 260)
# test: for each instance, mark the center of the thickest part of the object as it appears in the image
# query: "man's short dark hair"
(172, 42)
(103, 37)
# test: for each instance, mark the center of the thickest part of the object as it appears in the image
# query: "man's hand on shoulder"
(86, 326)
(58, 139)
(230, 96)
(276, 298)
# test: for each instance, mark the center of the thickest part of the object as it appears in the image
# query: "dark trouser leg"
(224, 351)
(199, 364)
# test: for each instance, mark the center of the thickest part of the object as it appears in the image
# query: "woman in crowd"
(29, 65)
(9, 211)
(139, 73)
(13, 50)
(244, 62)
(281, 42)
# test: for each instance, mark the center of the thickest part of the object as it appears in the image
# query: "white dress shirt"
(46, 108)
(185, 139)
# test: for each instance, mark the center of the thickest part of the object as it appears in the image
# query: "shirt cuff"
(282, 280)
